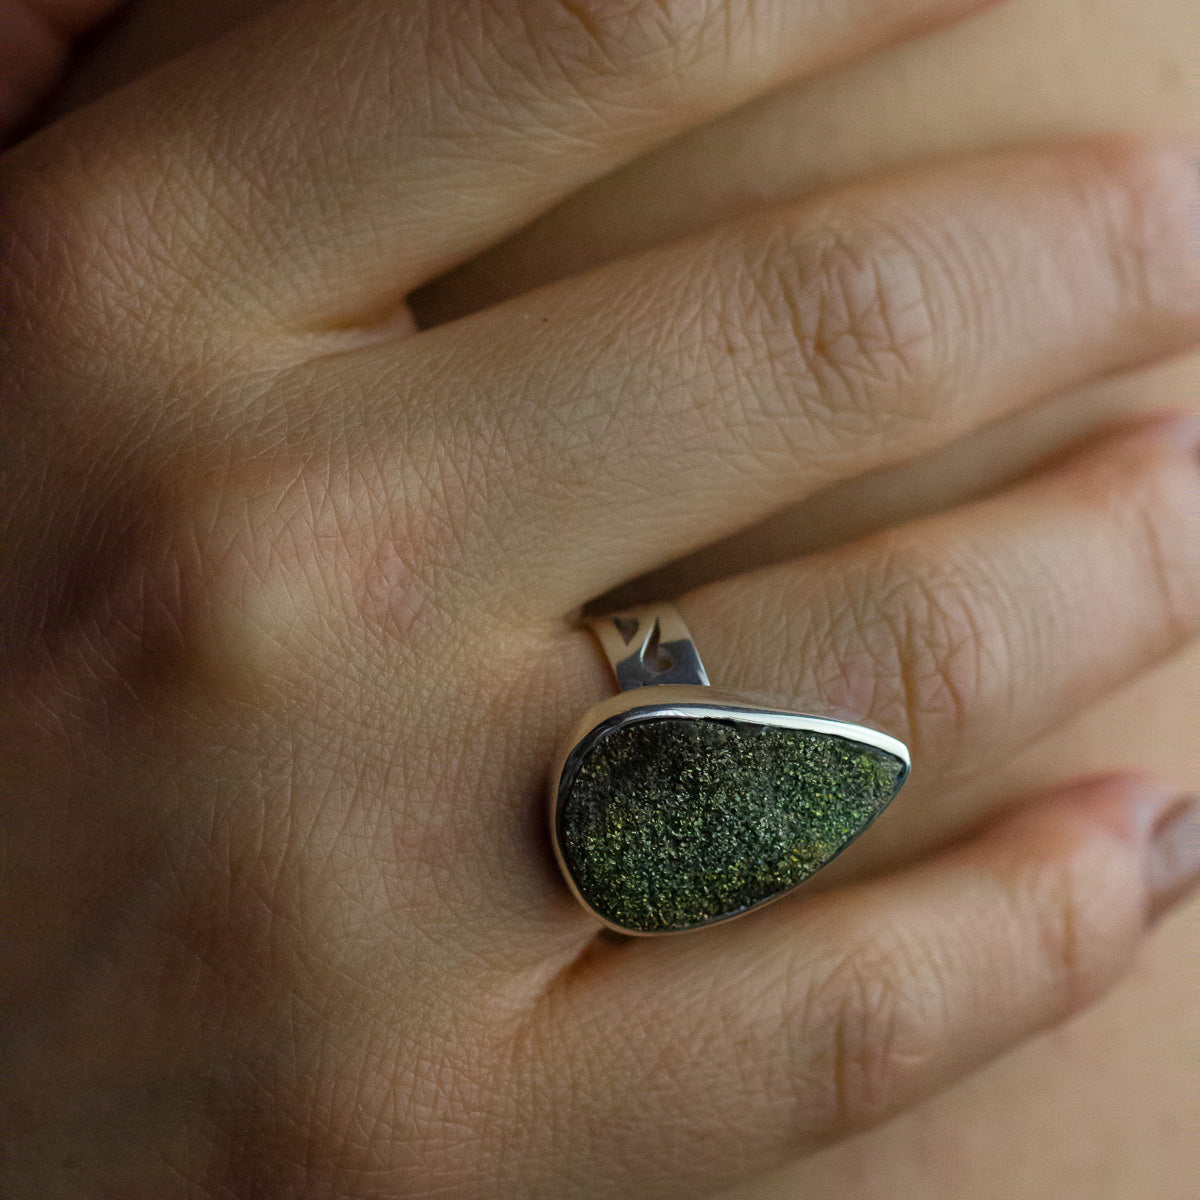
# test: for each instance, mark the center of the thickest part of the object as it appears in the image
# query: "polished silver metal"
(650, 646)
(660, 674)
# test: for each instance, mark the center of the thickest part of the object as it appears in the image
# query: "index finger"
(323, 160)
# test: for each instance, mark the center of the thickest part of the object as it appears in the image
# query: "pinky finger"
(754, 1041)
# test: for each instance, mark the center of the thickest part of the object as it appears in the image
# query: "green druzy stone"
(674, 822)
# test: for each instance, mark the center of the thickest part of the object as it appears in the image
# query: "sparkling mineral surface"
(674, 822)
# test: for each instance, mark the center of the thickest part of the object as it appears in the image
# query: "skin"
(35, 40)
(1106, 1108)
(882, 1155)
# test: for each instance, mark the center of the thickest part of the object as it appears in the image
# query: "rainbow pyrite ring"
(675, 805)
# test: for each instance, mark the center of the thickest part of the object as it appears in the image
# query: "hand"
(286, 644)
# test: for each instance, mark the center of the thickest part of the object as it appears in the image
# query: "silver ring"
(674, 806)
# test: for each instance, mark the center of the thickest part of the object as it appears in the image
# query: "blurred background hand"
(1105, 1108)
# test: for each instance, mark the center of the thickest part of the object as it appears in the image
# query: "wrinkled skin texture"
(1102, 1106)
(1105, 1108)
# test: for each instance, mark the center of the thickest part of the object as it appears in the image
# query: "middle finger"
(611, 423)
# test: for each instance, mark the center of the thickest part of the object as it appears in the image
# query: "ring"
(675, 806)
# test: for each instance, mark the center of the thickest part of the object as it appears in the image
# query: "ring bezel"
(691, 702)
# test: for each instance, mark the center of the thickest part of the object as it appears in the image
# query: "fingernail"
(1173, 856)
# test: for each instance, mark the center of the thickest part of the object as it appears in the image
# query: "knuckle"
(140, 602)
(326, 556)
(1077, 941)
(205, 579)
(286, 565)
(1134, 197)
(937, 632)
(856, 311)
(875, 1015)
(226, 566)
(1147, 493)
(631, 43)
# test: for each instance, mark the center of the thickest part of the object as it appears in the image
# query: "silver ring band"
(650, 646)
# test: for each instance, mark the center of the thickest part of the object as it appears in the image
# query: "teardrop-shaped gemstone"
(673, 822)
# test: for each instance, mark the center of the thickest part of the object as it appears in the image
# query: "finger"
(971, 633)
(325, 159)
(616, 421)
(698, 1061)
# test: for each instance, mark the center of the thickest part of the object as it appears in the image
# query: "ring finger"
(968, 634)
